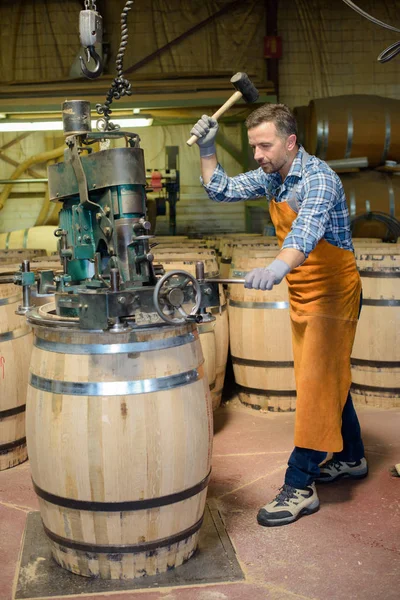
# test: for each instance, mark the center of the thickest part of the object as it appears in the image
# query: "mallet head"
(243, 85)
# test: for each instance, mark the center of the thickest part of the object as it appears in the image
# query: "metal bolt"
(94, 185)
(107, 231)
(122, 300)
(98, 216)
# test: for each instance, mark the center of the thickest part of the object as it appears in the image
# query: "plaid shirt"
(319, 193)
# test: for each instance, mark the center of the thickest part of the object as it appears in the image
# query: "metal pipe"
(14, 181)
(224, 281)
(26, 289)
(114, 280)
(348, 163)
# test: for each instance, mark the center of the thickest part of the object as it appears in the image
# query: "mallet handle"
(234, 98)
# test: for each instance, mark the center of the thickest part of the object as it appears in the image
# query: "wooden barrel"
(34, 237)
(302, 116)
(371, 191)
(215, 358)
(207, 330)
(355, 126)
(260, 340)
(375, 360)
(18, 255)
(229, 245)
(185, 253)
(15, 351)
(119, 437)
(362, 242)
(221, 346)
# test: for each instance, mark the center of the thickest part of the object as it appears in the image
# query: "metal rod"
(224, 281)
(114, 280)
(26, 290)
(13, 181)
(349, 163)
(199, 270)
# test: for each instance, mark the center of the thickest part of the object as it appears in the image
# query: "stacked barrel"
(260, 336)
(15, 353)
(375, 360)
(353, 127)
(214, 335)
(32, 238)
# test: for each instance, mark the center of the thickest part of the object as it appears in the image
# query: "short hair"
(279, 114)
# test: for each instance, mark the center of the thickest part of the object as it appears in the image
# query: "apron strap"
(292, 202)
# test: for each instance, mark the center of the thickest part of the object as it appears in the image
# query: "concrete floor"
(349, 550)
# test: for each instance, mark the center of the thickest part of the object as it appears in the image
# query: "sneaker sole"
(277, 522)
(341, 476)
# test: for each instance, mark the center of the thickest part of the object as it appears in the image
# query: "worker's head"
(272, 132)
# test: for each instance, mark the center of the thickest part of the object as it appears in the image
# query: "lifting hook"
(98, 70)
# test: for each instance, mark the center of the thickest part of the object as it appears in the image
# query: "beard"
(274, 167)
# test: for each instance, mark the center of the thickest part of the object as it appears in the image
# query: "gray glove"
(266, 278)
(206, 130)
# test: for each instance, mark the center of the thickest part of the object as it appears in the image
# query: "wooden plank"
(10, 161)
(17, 139)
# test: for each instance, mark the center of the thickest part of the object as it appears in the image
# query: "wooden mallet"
(245, 89)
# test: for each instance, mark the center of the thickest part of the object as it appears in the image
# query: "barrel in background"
(31, 238)
(15, 350)
(260, 339)
(375, 360)
(354, 126)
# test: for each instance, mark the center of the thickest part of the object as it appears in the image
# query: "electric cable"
(394, 49)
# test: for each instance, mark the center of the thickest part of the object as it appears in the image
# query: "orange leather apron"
(324, 295)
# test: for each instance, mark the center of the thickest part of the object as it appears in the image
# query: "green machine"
(108, 271)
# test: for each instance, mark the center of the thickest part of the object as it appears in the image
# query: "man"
(309, 212)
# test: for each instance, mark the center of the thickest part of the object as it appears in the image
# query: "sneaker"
(290, 504)
(334, 469)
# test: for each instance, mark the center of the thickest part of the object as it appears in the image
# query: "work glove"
(266, 278)
(206, 130)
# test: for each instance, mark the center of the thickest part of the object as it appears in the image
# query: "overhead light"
(16, 126)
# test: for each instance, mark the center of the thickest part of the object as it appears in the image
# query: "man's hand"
(206, 130)
(266, 278)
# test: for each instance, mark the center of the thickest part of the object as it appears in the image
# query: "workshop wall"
(40, 40)
(330, 50)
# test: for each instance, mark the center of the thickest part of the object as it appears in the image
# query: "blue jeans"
(303, 463)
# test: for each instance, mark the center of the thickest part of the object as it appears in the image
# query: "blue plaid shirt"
(319, 193)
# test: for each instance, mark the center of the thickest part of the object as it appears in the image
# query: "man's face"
(270, 151)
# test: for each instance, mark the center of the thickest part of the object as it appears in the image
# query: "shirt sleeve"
(222, 188)
(320, 194)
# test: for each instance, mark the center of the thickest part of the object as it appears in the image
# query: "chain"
(120, 86)
(90, 5)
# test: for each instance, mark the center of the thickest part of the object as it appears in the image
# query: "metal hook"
(98, 70)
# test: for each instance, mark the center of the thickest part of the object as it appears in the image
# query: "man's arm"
(320, 194)
(217, 184)
(208, 166)
(293, 258)
(264, 278)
